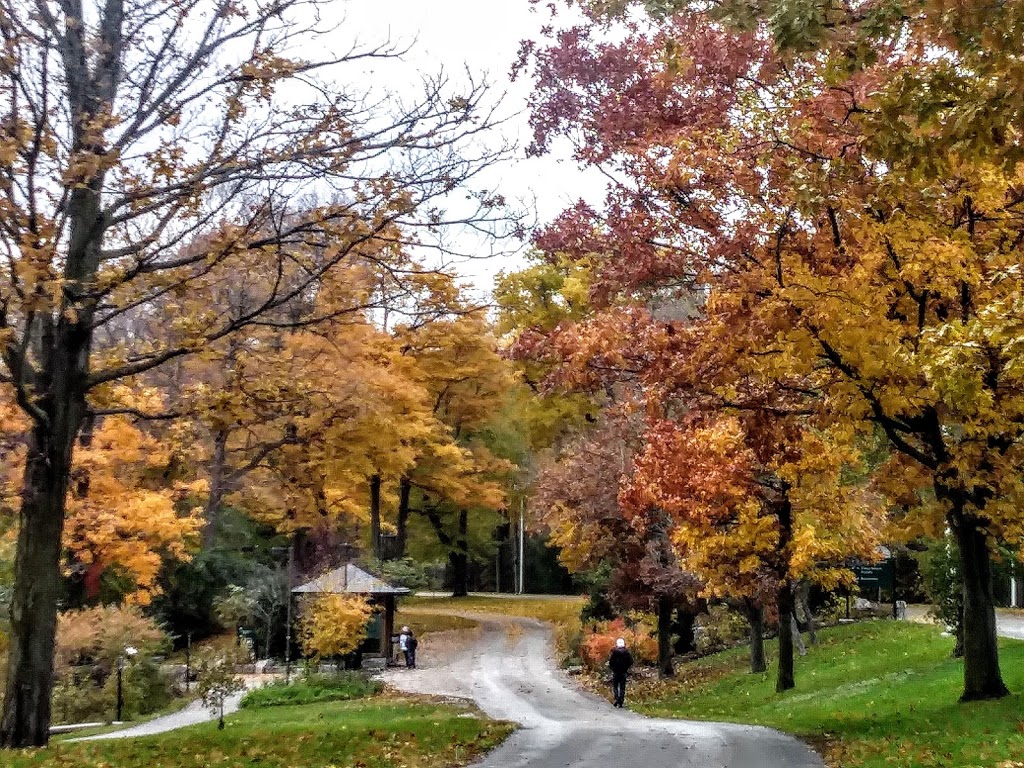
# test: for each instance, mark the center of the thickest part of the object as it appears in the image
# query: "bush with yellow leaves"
(333, 625)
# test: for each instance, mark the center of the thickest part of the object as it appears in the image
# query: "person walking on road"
(620, 661)
(407, 645)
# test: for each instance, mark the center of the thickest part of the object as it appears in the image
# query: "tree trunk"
(402, 538)
(758, 660)
(685, 619)
(958, 636)
(798, 641)
(803, 603)
(375, 516)
(218, 468)
(982, 677)
(459, 558)
(786, 677)
(665, 668)
(37, 583)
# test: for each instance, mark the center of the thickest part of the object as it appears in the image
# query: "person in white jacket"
(407, 645)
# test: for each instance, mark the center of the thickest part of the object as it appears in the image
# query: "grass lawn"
(870, 695)
(557, 609)
(423, 622)
(382, 732)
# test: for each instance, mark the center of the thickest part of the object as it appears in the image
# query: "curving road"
(507, 668)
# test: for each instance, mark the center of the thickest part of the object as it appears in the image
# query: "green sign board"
(874, 575)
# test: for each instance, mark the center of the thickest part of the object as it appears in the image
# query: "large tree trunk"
(215, 498)
(375, 516)
(982, 677)
(459, 558)
(786, 677)
(37, 580)
(685, 619)
(59, 383)
(755, 618)
(402, 538)
(665, 608)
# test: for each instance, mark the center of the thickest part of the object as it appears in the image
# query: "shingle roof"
(352, 580)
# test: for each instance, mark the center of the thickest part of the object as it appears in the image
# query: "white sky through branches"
(483, 36)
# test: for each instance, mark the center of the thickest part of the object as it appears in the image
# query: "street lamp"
(129, 651)
(288, 608)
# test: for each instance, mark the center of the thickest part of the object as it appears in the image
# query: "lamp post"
(129, 651)
(188, 660)
(288, 615)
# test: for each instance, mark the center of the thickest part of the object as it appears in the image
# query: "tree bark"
(803, 603)
(665, 607)
(758, 660)
(375, 516)
(214, 500)
(37, 579)
(459, 558)
(404, 495)
(685, 619)
(786, 675)
(798, 641)
(982, 676)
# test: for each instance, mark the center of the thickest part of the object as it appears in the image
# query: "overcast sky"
(483, 35)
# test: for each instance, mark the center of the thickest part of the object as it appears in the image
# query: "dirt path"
(506, 667)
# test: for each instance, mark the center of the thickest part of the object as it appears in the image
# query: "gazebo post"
(389, 627)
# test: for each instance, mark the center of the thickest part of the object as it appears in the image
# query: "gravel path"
(507, 668)
(193, 714)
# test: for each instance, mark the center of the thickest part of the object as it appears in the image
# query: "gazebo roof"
(349, 579)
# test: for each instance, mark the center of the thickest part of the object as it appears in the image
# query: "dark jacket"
(620, 661)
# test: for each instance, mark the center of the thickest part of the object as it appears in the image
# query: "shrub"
(720, 628)
(97, 636)
(89, 643)
(599, 639)
(311, 689)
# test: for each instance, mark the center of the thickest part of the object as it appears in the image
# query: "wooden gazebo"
(352, 580)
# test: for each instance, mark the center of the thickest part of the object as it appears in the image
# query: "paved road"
(193, 714)
(1007, 624)
(508, 669)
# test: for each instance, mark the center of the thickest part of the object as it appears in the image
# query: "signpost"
(874, 575)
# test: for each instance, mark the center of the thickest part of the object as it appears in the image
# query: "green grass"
(556, 609)
(382, 732)
(870, 695)
(311, 690)
(423, 622)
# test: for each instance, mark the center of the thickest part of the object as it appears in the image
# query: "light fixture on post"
(130, 652)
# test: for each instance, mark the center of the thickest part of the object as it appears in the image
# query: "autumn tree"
(457, 473)
(333, 625)
(150, 154)
(127, 513)
(578, 500)
(889, 293)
